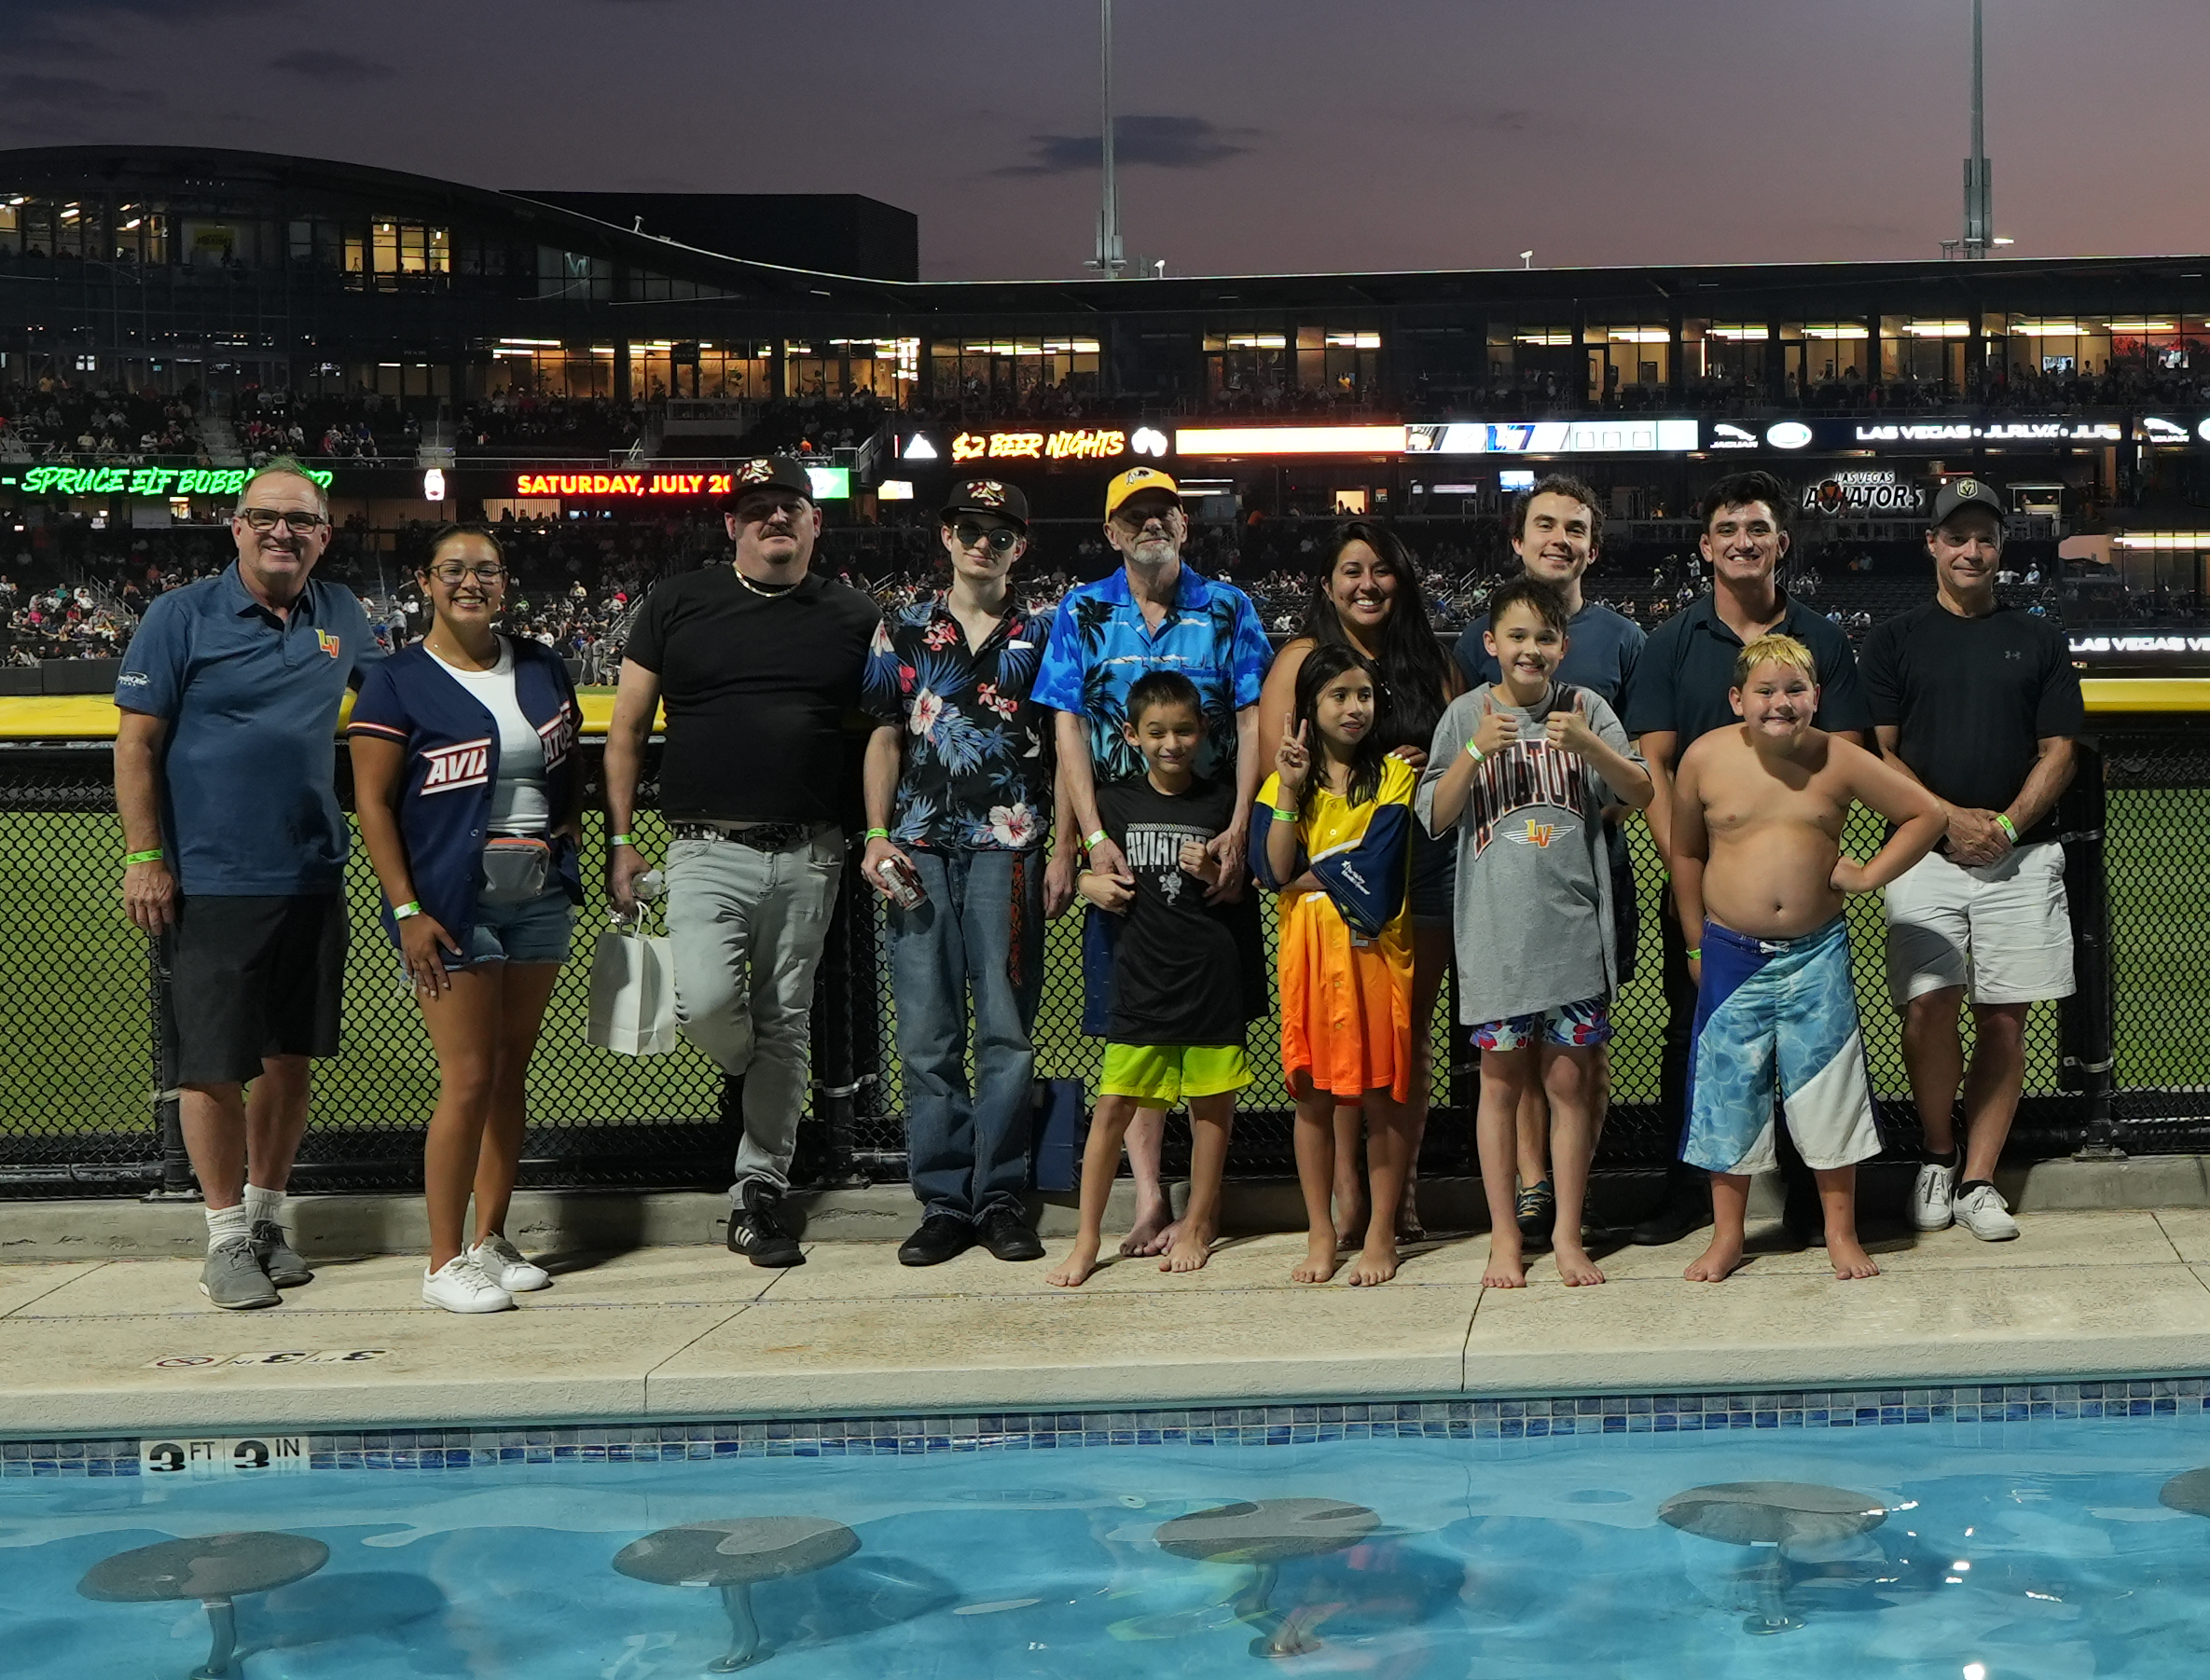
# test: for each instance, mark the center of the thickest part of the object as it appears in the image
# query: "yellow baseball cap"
(1134, 482)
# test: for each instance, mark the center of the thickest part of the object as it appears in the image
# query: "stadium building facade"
(2078, 383)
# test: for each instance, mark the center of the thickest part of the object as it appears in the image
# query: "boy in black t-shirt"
(1181, 987)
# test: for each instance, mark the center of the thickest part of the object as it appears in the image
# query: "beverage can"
(903, 883)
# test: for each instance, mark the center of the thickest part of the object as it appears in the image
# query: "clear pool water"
(2036, 1550)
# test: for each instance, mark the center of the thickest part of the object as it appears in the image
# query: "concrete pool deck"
(92, 1346)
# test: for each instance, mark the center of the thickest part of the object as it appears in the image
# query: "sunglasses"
(267, 518)
(452, 571)
(1001, 537)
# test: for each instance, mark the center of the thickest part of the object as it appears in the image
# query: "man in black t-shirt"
(758, 662)
(1981, 703)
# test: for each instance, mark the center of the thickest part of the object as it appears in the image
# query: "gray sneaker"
(284, 1268)
(232, 1276)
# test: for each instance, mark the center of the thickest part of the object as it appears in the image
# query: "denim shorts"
(534, 930)
(1434, 882)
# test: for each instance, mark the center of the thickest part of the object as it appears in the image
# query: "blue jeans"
(981, 932)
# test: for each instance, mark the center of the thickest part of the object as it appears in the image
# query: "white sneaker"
(1933, 1198)
(1982, 1211)
(458, 1287)
(501, 1262)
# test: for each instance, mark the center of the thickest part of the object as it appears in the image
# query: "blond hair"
(1775, 650)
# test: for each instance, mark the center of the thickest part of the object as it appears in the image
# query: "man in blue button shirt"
(1154, 613)
(1679, 694)
(234, 856)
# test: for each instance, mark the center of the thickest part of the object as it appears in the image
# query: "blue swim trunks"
(1778, 1016)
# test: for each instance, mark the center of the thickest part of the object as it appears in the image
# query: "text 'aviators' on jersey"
(1777, 1017)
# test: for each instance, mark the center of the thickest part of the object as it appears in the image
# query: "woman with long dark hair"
(1368, 598)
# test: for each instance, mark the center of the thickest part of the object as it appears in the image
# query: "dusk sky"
(1255, 134)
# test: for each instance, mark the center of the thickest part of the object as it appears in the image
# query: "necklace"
(769, 590)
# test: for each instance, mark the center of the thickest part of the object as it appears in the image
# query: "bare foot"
(1077, 1269)
(1575, 1268)
(1321, 1260)
(1409, 1228)
(1153, 1232)
(1717, 1262)
(1191, 1248)
(1506, 1269)
(1849, 1258)
(1376, 1266)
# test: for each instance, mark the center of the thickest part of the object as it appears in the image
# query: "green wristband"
(878, 833)
(1694, 956)
(1477, 754)
(2004, 822)
(1096, 839)
(401, 912)
(619, 840)
(1282, 815)
(148, 857)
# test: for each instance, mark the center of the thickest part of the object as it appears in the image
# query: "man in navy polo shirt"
(1678, 693)
(234, 856)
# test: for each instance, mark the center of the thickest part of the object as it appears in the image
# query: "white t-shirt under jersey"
(518, 804)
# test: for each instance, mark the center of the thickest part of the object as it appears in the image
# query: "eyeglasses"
(1000, 537)
(266, 520)
(452, 571)
(1135, 518)
(758, 511)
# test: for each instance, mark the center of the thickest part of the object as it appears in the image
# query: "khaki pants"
(746, 929)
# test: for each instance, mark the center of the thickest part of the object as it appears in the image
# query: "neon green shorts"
(1161, 1074)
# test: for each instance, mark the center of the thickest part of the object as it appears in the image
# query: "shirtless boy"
(1758, 874)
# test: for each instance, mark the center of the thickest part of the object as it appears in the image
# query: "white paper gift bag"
(633, 993)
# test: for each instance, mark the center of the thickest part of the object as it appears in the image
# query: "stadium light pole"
(1108, 261)
(1980, 211)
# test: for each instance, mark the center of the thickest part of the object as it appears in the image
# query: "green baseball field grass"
(76, 1038)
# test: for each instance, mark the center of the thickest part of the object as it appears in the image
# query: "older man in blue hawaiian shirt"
(958, 788)
(1154, 613)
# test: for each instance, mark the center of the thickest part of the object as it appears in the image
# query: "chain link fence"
(81, 1112)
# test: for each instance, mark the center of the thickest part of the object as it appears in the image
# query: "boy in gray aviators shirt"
(1524, 769)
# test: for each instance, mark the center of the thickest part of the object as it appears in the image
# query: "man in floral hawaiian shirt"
(1154, 613)
(958, 788)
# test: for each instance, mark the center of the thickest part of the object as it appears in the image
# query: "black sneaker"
(936, 1239)
(1006, 1232)
(756, 1229)
(1687, 1207)
(1537, 1207)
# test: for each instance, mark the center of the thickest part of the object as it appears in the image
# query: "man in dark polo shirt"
(1679, 695)
(1981, 703)
(759, 661)
(234, 856)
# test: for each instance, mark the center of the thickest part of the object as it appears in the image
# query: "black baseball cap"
(1961, 493)
(766, 473)
(988, 496)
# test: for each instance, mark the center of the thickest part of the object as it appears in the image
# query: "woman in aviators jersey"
(464, 773)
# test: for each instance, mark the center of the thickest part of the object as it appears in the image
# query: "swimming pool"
(1995, 1545)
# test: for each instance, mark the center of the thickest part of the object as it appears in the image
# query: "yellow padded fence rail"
(92, 717)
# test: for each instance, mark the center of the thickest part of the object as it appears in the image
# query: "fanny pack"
(516, 868)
